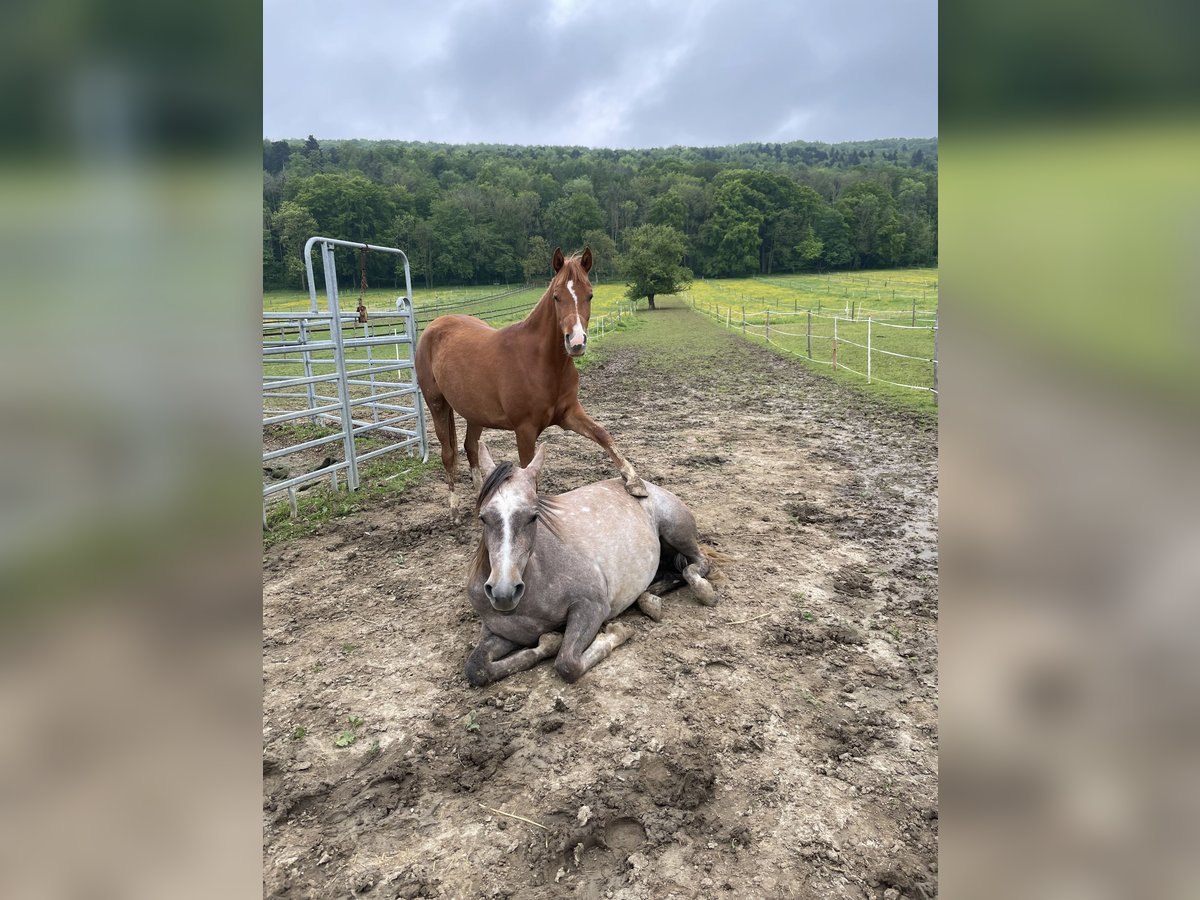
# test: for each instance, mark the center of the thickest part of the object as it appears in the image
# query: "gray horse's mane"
(547, 513)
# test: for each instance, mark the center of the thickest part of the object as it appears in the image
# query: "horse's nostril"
(487, 589)
(519, 590)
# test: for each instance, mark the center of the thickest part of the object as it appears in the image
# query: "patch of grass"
(350, 735)
(299, 733)
(470, 724)
(373, 750)
(895, 633)
(348, 648)
(379, 481)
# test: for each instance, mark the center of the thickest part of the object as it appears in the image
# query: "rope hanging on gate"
(362, 288)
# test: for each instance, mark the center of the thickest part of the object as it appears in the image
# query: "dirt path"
(782, 744)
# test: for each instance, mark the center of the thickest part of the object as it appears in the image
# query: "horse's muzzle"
(504, 598)
(574, 349)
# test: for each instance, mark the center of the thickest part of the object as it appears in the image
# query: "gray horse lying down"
(551, 571)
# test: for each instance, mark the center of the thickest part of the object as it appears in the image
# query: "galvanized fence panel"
(331, 379)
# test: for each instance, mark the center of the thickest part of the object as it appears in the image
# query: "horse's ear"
(535, 464)
(559, 261)
(586, 259)
(485, 460)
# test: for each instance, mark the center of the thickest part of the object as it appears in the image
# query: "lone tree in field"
(652, 262)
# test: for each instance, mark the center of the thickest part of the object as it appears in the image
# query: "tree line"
(484, 213)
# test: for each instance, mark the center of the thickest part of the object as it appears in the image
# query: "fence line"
(766, 329)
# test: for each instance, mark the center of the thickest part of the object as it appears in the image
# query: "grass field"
(887, 298)
(499, 305)
(877, 309)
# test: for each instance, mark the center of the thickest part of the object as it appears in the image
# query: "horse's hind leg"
(494, 658)
(677, 528)
(651, 605)
(443, 424)
(471, 446)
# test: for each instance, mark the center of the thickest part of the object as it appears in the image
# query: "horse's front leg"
(493, 658)
(581, 423)
(582, 645)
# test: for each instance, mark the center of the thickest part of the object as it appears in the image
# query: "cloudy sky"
(600, 73)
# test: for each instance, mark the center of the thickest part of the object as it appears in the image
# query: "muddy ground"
(781, 744)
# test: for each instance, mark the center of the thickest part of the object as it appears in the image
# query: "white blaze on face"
(506, 505)
(578, 335)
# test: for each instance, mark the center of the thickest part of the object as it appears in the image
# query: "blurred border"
(129, 544)
(1070, 519)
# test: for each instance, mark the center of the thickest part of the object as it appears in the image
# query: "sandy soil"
(781, 744)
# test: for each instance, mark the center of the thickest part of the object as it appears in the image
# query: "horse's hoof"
(618, 633)
(635, 488)
(704, 592)
(650, 605)
(549, 643)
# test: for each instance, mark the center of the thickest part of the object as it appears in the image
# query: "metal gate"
(331, 380)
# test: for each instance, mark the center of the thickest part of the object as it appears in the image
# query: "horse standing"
(520, 378)
(570, 564)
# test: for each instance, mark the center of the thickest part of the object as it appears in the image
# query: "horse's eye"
(532, 519)
(555, 298)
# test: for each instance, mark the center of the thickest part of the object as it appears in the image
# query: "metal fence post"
(410, 315)
(810, 334)
(835, 318)
(743, 320)
(339, 361)
(371, 365)
(868, 349)
(768, 325)
(311, 389)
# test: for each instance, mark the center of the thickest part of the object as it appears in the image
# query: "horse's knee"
(697, 563)
(477, 672)
(571, 670)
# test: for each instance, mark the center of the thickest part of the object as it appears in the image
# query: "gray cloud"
(608, 74)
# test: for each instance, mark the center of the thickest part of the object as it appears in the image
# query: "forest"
(492, 214)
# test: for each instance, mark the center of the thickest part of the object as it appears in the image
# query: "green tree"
(830, 228)
(604, 254)
(652, 262)
(668, 209)
(536, 265)
(870, 214)
(414, 236)
(730, 237)
(570, 216)
(295, 225)
(808, 251)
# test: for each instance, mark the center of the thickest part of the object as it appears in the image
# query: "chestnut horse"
(521, 378)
